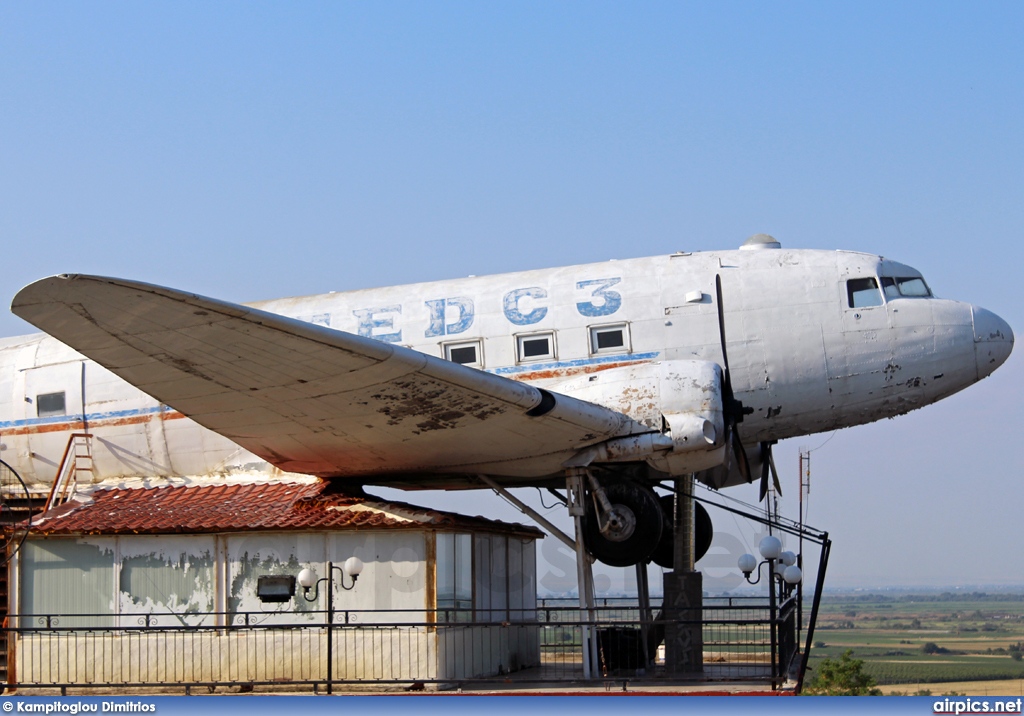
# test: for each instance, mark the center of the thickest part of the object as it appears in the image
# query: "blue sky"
(256, 150)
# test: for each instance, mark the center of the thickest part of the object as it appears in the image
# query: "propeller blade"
(721, 327)
(775, 473)
(765, 453)
(732, 408)
(741, 455)
(717, 476)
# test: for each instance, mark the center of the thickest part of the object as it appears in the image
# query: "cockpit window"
(907, 287)
(913, 287)
(889, 287)
(863, 292)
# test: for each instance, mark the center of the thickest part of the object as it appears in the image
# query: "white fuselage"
(801, 357)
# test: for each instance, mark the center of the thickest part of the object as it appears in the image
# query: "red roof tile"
(267, 506)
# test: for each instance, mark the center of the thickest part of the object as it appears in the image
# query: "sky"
(256, 150)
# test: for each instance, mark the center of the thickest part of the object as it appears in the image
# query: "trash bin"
(620, 648)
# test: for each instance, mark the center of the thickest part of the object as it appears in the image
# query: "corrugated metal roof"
(246, 507)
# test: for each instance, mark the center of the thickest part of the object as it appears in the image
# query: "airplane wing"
(310, 399)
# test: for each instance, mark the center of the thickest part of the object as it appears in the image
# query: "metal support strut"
(609, 519)
(529, 512)
(574, 481)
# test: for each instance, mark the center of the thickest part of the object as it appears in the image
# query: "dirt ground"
(1011, 687)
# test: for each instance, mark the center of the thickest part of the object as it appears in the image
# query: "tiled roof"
(246, 507)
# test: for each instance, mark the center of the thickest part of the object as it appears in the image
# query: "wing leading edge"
(311, 399)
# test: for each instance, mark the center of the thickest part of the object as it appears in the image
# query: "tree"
(842, 677)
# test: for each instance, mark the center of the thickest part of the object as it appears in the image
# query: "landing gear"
(630, 532)
(703, 531)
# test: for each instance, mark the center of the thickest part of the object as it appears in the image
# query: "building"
(157, 583)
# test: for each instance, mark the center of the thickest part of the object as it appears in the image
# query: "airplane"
(621, 374)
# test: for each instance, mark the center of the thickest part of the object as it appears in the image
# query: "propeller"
(768, 463)
(733, 410)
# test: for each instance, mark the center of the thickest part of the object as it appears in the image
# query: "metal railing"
(374, 649)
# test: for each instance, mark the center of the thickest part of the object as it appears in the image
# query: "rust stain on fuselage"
(93, 424)
(569, 372)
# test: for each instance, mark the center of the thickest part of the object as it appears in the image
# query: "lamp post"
(781, 565)
(307, 579)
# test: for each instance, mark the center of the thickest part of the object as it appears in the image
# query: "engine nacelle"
(680, 399)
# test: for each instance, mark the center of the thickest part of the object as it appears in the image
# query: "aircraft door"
(863, 306)
(53, 409)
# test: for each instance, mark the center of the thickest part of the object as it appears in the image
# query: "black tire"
(703, 532)
(638, 542)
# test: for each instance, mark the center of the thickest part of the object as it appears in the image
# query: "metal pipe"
(819, 584)
(644, 602)
(772, 623)
(330, 625)
(584, 574)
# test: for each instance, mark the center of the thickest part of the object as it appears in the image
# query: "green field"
(915, 639)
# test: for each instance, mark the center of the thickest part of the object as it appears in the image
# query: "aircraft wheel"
(640, 529)
(703, 532)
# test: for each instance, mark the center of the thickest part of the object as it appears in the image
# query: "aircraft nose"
(993, 340)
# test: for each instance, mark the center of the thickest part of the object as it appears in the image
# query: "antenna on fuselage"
(760, 241)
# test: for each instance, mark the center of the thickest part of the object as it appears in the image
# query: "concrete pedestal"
(684, 640)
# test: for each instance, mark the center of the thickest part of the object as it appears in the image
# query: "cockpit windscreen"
(905, 287)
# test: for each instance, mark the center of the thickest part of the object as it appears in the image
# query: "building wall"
(113, 579)
(228, 655)
(393, 582)
(209, 582)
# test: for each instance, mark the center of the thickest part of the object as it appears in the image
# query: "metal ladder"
(77, 459)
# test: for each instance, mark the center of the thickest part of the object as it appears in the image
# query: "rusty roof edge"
(77, 502)
(309, 500)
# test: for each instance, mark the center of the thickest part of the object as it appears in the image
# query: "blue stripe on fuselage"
(579, 363)
(91, 417)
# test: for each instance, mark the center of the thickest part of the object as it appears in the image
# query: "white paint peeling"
(194, 611)
(106, 545)
(251, 477)
(182, 548)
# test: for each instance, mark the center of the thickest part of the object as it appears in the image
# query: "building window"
(609, 339)
(70, 580)
(167, 575)
(535, 347)
(50, 404)
(74, 580)
(464, 353)
(455, 577)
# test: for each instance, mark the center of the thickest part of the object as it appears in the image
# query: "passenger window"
(536, 346)
(50, 404)
(863, 293)
(465, 353)
(609, 339)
